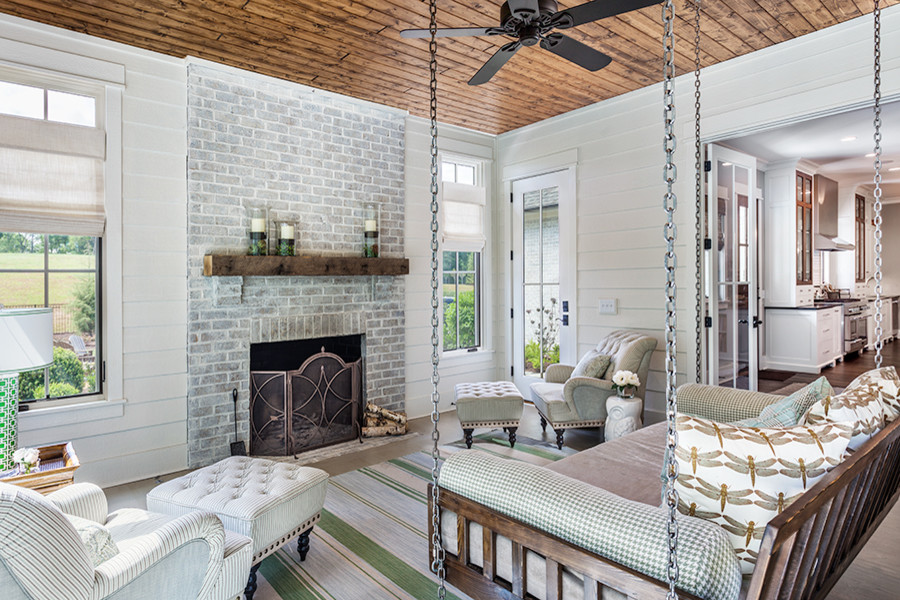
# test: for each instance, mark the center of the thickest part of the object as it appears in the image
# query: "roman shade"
(463, 213)
(51, 177)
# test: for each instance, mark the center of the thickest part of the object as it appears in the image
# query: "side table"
(623, 416)
(57, 470)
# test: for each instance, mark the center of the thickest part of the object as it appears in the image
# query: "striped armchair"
(66, 547)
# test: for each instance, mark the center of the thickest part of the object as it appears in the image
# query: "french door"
(731, 287)
(543, 235)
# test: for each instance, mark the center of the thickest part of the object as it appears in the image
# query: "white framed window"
(53, 197)
(464, 201)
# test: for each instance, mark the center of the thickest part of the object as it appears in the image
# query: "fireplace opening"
(305, 394)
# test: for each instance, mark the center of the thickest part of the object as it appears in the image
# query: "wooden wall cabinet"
(788, 245)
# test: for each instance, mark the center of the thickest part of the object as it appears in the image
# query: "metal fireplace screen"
(316, 405)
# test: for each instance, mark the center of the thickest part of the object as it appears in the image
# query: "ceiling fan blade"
(598, 9)
(490, 68)
(526, 10)
(576, 52)
(452, 32)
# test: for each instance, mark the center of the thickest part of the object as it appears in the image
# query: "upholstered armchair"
(66, 547)
(565, 401)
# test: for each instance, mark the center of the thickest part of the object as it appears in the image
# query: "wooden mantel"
(228, 265)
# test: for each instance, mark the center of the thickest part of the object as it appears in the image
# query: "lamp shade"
(26, 339)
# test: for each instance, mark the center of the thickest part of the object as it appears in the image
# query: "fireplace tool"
(238, 448)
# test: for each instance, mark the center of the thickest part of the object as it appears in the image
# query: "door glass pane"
(726, 330)
(533, 325)
(541, 278)
(742, 340)
(532, 238)
(550, 341)
(550, 244)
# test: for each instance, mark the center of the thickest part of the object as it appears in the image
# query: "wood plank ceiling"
(354, 47)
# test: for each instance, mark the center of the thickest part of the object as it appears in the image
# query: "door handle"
(757, 322)
(743, 321)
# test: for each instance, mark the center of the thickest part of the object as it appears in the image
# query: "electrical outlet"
(609, 306)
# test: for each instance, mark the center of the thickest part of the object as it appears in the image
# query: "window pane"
(467, 311)
(450, 311)
(550, 341)
(71, 108)
(448, 172)
(465, 174)
(71, 252)
(466, 261)
(21, 100)
(449, 261)
(20, 290)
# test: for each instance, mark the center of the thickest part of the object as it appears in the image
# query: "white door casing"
(544, 271)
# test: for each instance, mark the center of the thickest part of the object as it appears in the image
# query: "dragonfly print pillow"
(741, 477)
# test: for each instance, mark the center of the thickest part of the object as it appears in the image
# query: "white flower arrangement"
(27, 458)
(625, 383)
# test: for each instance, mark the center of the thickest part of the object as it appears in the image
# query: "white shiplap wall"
(620, 190)
(145, 435)
(476, 366)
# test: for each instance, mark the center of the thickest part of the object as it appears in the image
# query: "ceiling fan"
(532, 22)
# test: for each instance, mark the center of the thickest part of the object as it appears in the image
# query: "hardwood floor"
(873, 575)
(838, 376)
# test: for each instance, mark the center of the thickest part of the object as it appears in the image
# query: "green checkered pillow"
(593, 364)
(627, 532)
(787, 412)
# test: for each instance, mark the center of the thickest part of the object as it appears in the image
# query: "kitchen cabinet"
(803, 339)
(788, 241)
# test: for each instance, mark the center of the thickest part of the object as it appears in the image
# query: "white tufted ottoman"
(269, 502)
(489, 404)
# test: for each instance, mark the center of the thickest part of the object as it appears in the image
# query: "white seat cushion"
(259, 498)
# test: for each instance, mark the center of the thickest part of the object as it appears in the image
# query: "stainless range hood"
(826, 211)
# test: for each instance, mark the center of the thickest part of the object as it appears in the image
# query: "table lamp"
(26, 344)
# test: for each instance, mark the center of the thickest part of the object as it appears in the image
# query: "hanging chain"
(879, 329)
(669, 203)
(437, 564)
(698, 191)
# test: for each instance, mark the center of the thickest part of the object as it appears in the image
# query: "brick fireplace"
(317, 159)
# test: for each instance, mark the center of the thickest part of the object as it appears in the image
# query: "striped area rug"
(372, 541)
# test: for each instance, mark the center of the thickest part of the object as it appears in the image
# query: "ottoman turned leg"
(468, 433)
(543, 424)
(512, 436)
(251, 582)
(303, 544)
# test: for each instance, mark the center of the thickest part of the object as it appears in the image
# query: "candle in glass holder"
(257, 245)
(370, 232)
(286, 232)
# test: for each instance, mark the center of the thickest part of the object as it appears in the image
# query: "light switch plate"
(609, 306)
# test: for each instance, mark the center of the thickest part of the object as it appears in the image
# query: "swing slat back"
(804, 550)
